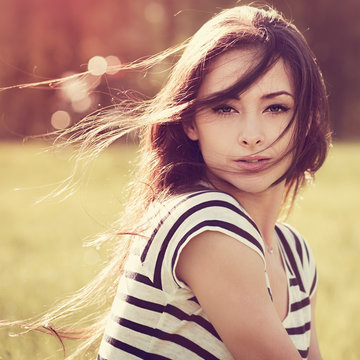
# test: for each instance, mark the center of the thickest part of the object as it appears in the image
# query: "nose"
(251, 141)
(251, 134)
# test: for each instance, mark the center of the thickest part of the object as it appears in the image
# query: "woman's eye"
(223, 109)
(277, 108)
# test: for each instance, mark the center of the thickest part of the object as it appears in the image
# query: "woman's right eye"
(223, 109)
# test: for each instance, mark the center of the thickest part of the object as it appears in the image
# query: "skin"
(230, 135)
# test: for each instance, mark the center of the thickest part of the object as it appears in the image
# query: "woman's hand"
(227, 277)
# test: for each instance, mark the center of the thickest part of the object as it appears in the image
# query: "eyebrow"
(267, 96)
(275, 94)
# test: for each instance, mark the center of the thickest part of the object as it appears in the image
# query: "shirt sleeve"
(311, 270)
(306, 262)
(187, 217)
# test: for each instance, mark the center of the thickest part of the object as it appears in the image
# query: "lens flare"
(60, 119)
(97, 65)
(113, 64)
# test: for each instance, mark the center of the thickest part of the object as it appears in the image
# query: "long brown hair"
(176, 159)
(169, 161)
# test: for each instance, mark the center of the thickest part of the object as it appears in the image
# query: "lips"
(253, 160)
(252, 163)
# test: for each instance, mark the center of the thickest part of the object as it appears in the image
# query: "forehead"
(230, 67)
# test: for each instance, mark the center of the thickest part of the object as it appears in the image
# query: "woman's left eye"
(277, 108)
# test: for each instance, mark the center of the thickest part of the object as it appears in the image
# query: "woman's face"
(237, 137)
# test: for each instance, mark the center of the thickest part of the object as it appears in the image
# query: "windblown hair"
(171, 163)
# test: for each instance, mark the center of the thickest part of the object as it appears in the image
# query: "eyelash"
(281, 108)
(219, 109)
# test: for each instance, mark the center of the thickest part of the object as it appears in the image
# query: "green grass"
(328, 217)
(42, 259)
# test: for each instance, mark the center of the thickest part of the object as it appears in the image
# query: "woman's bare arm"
(227, 277)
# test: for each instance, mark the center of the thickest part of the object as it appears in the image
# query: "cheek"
(275, 131)
(215, 131)
(215, 142)
(285, 140)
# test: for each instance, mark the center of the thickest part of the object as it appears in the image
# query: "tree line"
(48, 39)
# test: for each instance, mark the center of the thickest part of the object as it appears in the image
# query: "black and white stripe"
(302, 284)
(155, 316)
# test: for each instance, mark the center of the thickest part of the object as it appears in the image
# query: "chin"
(252, 189)
(258, 185)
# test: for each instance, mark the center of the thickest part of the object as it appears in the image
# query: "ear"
(191, 131)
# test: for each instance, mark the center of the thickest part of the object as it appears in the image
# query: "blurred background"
(46, 39)
(42, 258)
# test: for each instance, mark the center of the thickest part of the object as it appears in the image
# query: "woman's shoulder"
(293, 242)
(180, 218)
(204, 195)
(205, 203)
(300, 257)
(206, 209)
(287, 233)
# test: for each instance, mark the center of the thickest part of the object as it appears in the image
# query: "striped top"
(156, 316)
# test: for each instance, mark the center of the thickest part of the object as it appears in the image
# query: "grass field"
(42, 259)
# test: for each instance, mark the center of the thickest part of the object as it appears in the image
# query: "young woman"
(226, 144)
(213, 275)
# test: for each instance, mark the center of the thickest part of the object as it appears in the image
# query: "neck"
(264, 208)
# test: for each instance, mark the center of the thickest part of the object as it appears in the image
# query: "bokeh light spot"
(113, 64)
(60, 119)
(97, 66)
(75, 89)
(81, 105)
